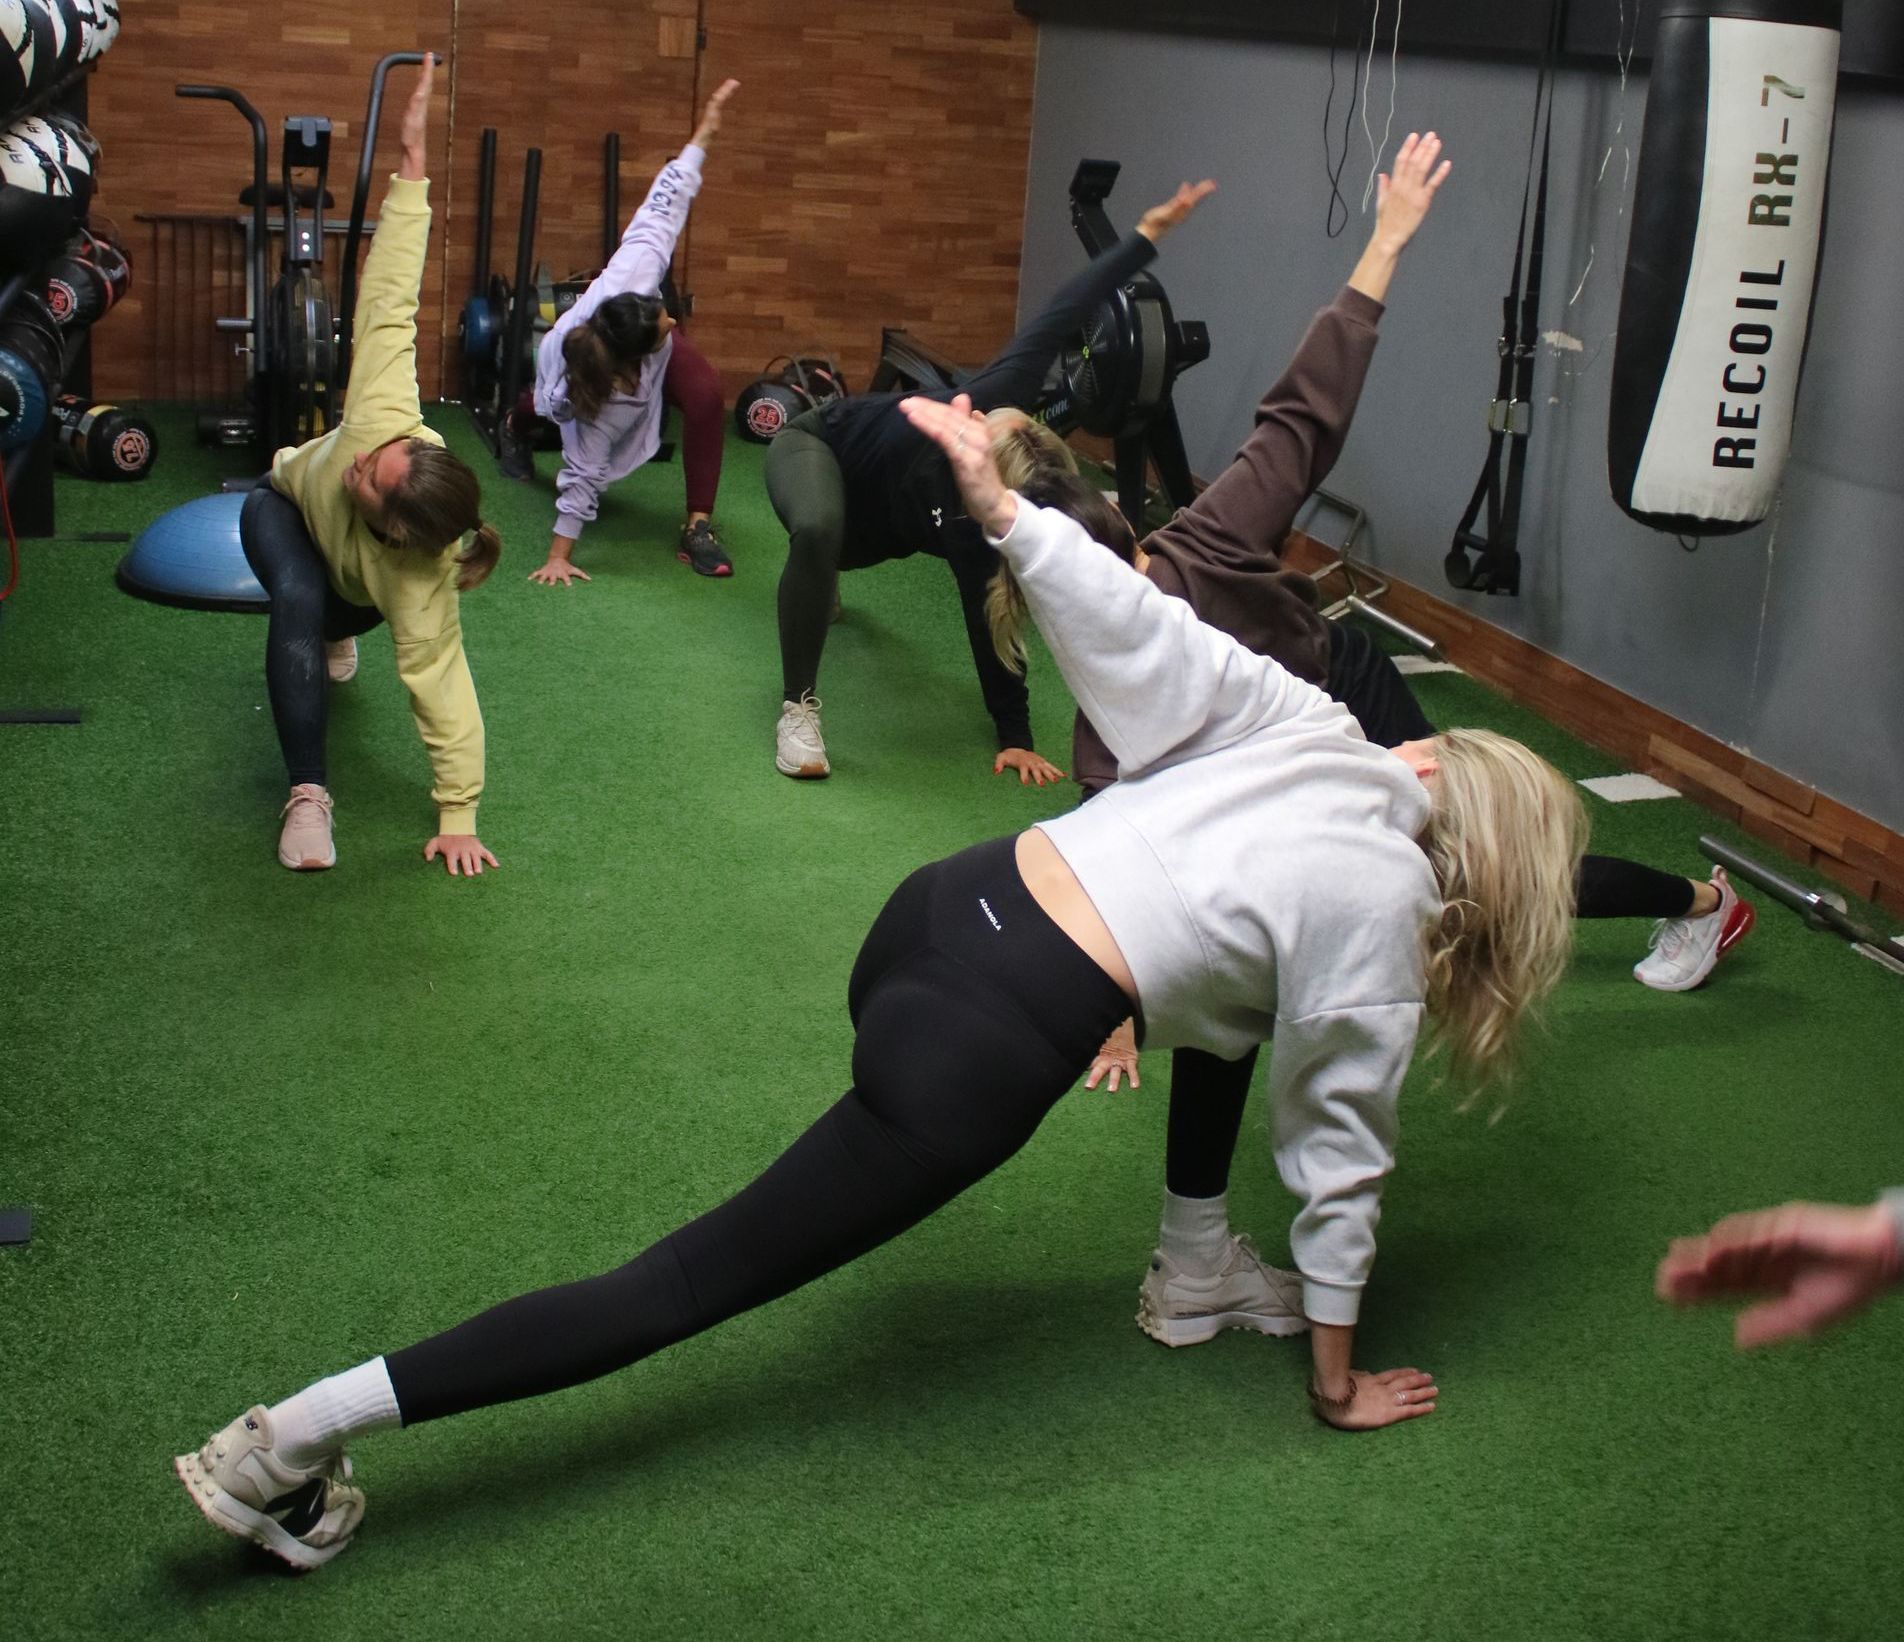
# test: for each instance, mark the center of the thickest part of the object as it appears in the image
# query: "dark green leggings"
(808, 491)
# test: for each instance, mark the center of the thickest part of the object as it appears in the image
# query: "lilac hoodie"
(596, 454)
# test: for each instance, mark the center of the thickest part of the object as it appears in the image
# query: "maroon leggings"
(693, 387)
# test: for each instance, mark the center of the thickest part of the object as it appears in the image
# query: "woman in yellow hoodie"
(357, 528)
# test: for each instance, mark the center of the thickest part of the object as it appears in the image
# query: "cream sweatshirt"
(1256, 863)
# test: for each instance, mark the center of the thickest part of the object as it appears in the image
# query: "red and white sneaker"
(1686, 950)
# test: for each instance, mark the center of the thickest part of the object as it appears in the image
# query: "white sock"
(1196, 1233)
(322, 1417)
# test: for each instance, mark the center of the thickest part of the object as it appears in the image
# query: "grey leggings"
(808, 492)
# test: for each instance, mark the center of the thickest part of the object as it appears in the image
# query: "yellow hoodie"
(414, 590)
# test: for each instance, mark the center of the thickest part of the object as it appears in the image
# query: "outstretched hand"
(1821, 1264)
(711, 115)
(416, 122)
(1160, 219)
(961, 433)
(1402, 199)
(1384, 1399)
(1034, 770)
(463, 853)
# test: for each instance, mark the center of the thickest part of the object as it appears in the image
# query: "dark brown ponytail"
(607, 349)
(436, 506)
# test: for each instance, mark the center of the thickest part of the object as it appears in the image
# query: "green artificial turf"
(271, 1125)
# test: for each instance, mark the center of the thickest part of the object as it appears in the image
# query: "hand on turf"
(711, 116)
(1385, 1399)
(463, 853)
(1822, 1263)
(961, 433)
(1160, 219)
(1402, 199)
(1117, 1059)
(558, 570)
(1033, 771)
(416, 122)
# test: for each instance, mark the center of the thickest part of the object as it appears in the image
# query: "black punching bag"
(1727, 215)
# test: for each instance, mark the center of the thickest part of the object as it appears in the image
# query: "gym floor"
(270, 1125)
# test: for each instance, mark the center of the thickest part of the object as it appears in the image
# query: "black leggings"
(807, 490)
(974, 1014)
(306, 613)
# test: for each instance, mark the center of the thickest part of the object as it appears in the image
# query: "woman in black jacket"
(855, 484)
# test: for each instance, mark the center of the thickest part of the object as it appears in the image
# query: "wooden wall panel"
(165, 155)
(872, 173)
(1817, 832)
(872, 170)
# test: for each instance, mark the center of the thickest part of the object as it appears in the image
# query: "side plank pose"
(355, 528)
(1220, 556)
(1260, 862)
(855, 485)
(609, 367)
(1819, 1263)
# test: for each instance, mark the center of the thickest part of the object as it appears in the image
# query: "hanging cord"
(1624, 47)
(1394, 63)
(1334, 168)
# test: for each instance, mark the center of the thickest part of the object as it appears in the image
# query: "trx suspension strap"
(1497, 569)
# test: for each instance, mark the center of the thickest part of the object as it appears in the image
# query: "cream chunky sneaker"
(305, 843)
(305, 1514)
(340, 660)
(798, 749)
(1177, 1309)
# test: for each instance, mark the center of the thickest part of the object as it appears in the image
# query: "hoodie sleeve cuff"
(459, 821)
(1338, 1304)
(1362, 308)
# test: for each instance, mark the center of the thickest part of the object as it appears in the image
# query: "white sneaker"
(1177, 1309)
(304, 1514)
(304, 844)
(1685, 950)
(340, 660)
(798, 749)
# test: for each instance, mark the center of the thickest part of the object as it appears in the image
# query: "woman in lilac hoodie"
(610, 366)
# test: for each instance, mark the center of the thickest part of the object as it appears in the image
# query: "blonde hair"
(438, 503)
(1021, 449)
(1505, 837)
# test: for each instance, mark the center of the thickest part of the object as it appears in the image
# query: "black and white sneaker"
(701, 550)
(304, 1514)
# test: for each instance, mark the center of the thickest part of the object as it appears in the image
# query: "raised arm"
(647, 245)
(1402, 203)
(1239, 522)
(1017, 375)
(382, 400)
(1148, 674)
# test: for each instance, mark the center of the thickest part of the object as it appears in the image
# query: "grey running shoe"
(1177, 1309)
(304, 1514)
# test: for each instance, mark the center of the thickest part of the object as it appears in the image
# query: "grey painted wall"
(1786, 641)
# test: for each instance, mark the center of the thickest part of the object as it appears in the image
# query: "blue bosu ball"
(191, 557)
